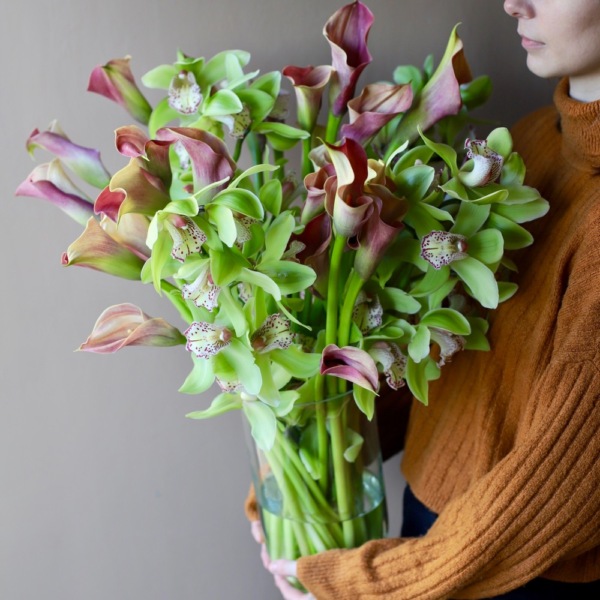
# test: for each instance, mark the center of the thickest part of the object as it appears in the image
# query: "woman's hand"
(281, 569)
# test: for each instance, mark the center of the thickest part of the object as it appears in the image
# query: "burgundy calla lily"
(351, 364)
(316, 239)
(96, 249)
(127, 325)
(376, 106)
(131, 141)
(49, 181)
(347, 31)
(309, 84)
(441, 95)
(115, 81)
(83, 161)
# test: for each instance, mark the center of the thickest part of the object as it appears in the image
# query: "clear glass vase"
(321, 484)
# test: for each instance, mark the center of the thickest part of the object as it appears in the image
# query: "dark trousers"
(416, 521)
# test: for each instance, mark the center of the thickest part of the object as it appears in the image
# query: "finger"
(264, 555)
(284, 568)
(289, 592)
(257, 532)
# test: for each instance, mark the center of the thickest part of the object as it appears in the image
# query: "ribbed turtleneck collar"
(580, 126)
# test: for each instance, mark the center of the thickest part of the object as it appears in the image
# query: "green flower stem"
(306, 163)
(238, 149)
(355, 284)
(322, 438)
(333, 126)
(279, 159)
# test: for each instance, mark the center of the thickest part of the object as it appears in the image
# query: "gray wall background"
(106, 490)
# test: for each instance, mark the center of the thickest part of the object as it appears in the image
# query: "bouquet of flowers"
(302, 297)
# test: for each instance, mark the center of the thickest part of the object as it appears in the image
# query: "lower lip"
(530, 44)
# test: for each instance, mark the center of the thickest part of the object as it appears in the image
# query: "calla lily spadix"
(127, 325)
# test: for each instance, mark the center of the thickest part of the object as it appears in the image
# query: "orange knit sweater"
(507, 450)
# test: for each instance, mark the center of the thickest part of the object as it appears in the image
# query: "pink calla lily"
(83, 161)
(208, 154)
(131, 141)
(96, 249)
(316, 239)
(376, 106)
(309, 84)
(115, 81)
(49, 181)
(441, 95)
(347, 31)
(127, 325)
(351, 364)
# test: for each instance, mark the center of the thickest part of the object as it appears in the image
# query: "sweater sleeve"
(536, 506)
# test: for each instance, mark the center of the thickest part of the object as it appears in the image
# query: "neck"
(585, 88)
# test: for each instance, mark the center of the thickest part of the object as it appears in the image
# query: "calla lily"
(368, 312)
(441, 95)
(316, 239)
(274, 333)
(376, 106)
(350, 208)
(347, 31)
(203, 290)
(187, 236)
(96, 249)
(449, 344)
(486, 164)
(127, 325)
(351, 364)
(131, 141)
(208, 154)
(115, 81)
(440, 248)
(309, 84)
(205, 339)
(393, 362)
(49, 181)
(83, 161)
(131, 232)
(318, 185)
(184, 93)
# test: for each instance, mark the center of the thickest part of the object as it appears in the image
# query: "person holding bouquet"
(502, 466)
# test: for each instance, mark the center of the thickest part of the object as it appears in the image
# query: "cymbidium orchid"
(301, 299)
(115, 81)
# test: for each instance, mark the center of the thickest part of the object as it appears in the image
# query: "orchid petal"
(368, 312)
(187, 236)
(115, 81)
(449, 344)
(126, 325)
(347, 31)
(440, 248)
(49, 181)
(184, 93)
(96, 249)
(486, 164)
(392, 361)
(205, 339)
(83, 161)
(202, 290)
(274, 333)
(352, 364)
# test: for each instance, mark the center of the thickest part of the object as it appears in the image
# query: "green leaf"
(445, 152)
(161, 256)
(523, 213)
(234, 311)
(514, 235)
(161, 115)
(419, 218)
(416, 380)
(241, 201)
(418, 347)
(258, 102)
(438, 213)
(487, 246)
(433, 280)
(513, 171)
(241, 360)
(221, 103)
(226, 266)
(506, 290)
(414, 182)
(300, 365)
(260, 168)
(477, 339)
(398, 300)
(200, 378)
(278, 236)
(263, 424)
(269, 83)
(408, 74)
(479, 279)
(222, 218)
(215, 69)
(354, 443)
(476, 92)
(261, 280)
(281, 136)
(365, 400)
(410, 157)
(269, 393)
(271, 196)
(289, 276)
(309, 450)
(447, 319)
(222, 404)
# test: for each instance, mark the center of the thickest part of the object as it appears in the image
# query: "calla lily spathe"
(351, 364)
(127, 325)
